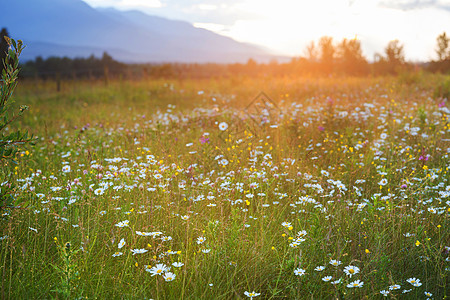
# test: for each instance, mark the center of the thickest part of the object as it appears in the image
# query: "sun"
(283, 23)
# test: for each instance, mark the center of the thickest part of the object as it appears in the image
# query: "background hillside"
(72, 28)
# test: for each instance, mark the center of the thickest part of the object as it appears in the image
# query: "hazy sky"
(287, 26)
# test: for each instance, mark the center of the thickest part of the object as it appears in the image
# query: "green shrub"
(9, 140)
(442, 90)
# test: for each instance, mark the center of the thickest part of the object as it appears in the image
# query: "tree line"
(322, 58)
(76, 68)
(345, 57)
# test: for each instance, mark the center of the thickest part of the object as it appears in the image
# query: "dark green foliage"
(3, 46)
(443, 52)
(77, 68)
(9, 140)
(443, 47)
(393, 62)
(68, 271)
(442, 90)
(350, 58)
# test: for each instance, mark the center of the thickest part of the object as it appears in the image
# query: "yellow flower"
(367, 251)
(417, 243)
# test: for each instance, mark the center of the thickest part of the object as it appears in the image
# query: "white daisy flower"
(223, 126)
(177, 264)
(138, 251)
(414, 281)
(122, 223)
(168, 276)
(299, 272)
(121, 243)
(252, 294)
(99, 191)
(357, 283)
(159, 269)
(394, 287)
(351, 270)
(335, 262)
(383, 181)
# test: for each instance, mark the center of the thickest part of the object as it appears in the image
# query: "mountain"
(73, 28)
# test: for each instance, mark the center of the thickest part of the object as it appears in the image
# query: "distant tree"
(443, 47)
(312, 52)
(251, 63)
(327, 53)
(443, 53)
(107, 59)
(350, 58)
(300, 66)
(107, 62)
(251, 66)
(380, 65)
(394, 53)
(65, 67)
(3, 46)
(392, 61)
(310, 62)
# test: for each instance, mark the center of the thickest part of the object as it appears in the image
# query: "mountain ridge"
(50, 27)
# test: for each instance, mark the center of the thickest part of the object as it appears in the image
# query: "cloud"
(208, 11)
(193, 11)
(102, 3)
(125, 4)
(288, 26)
(143, 3)
(416, 4)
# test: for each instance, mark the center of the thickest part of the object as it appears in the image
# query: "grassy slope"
(354, 129)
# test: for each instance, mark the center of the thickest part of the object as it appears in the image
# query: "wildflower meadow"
(233, 188)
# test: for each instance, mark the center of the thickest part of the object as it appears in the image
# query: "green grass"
(361, 165)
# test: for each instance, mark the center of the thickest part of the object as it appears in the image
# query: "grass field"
(317, 189)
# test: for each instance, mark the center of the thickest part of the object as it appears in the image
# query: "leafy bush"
(442, 90)
(9, 140)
